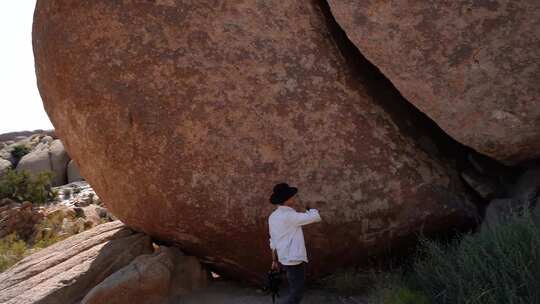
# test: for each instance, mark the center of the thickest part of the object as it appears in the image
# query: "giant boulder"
(184, 114)
(471, 66)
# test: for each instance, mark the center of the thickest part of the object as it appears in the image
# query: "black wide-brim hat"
(281, 193)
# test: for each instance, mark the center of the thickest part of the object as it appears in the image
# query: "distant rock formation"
(12, 136)
(44, 153)
(183, 115)
(472, 66)
(50, 157)
(73, 173)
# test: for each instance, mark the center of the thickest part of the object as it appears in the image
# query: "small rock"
(500, 210)
(6, 201)
(79, 212)
(47, 139)
(484, 186)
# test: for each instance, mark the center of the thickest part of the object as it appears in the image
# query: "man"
(287, 239)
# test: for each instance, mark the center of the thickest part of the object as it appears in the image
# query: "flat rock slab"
(231, 293)
(65, 271)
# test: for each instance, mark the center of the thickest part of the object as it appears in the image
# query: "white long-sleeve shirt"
(286, 236)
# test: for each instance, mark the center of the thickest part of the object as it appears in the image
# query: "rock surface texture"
(471, 66)
(66, 271)
(184, 114)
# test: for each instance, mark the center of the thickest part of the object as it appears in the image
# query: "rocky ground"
(114, 264)
(233, 293)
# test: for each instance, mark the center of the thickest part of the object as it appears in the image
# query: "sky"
(20, 103)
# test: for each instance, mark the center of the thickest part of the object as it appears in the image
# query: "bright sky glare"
(20, 103)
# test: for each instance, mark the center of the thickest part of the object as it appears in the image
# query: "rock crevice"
(472, 68)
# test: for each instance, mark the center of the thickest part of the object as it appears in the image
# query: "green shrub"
(49, 229)
(496, 266)
(12, 250)
(23, 186)
(349, 281)
(403, 295)
(19, 151)
(377, 282)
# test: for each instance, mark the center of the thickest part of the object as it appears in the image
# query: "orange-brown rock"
(184, 114)
(472, 66)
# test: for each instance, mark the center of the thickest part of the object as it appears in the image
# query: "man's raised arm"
(304, 218)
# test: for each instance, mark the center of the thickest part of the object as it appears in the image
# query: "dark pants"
(296, 276)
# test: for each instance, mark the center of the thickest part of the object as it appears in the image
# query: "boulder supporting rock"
(150, 279)
(66, 271)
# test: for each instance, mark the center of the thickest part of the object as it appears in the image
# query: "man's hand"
(275, 265)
